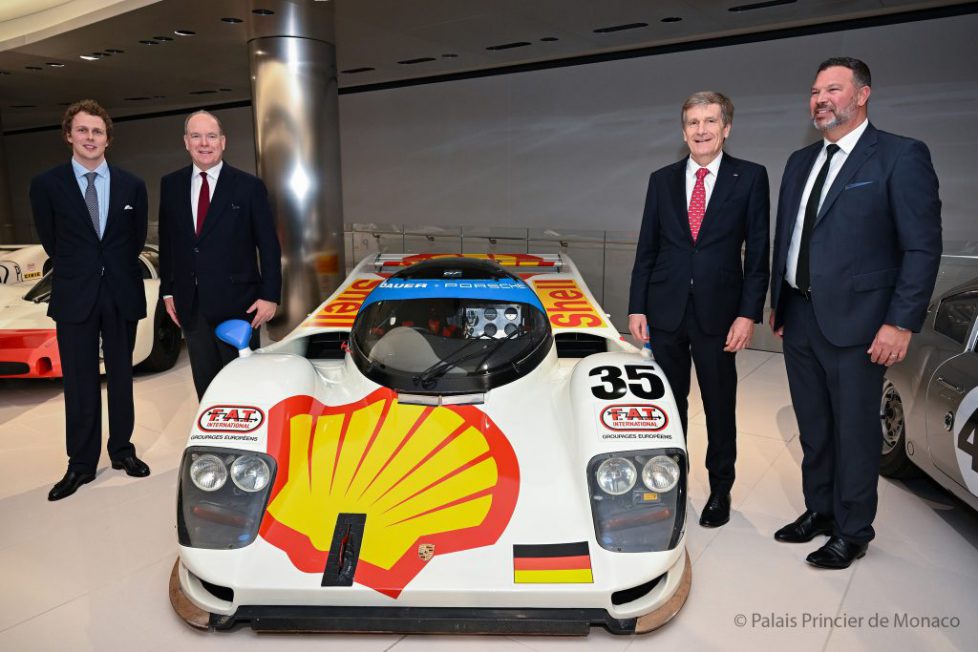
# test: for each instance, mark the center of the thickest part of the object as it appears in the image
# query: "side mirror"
(237, 333)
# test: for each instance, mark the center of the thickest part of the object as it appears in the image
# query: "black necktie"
(803, 276)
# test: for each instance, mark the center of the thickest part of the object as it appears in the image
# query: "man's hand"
(738, 337)
(638, 326)
(777, 332)
(171, 310)
(264, 310)
(889, 346)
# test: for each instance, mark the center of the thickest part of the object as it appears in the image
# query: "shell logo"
(427, 478)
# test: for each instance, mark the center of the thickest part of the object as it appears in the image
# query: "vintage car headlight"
(214, 513)
(208, 473)
(632, 516)
(661, 473)
(250, 473)
(616, 475)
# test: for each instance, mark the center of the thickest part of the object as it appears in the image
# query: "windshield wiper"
(428, 377)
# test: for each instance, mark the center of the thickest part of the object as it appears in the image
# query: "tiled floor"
(90, 572)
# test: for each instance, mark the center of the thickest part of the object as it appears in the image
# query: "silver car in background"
(929, 409)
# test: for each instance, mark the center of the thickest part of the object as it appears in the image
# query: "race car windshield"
(449, 345)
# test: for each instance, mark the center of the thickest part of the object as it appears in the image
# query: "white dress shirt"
(196, 183)
(708, 181)
(846, 143)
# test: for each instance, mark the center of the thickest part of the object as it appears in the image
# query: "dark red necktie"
(203, 201)
(697, 203)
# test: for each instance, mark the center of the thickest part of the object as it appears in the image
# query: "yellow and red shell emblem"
(444, 477)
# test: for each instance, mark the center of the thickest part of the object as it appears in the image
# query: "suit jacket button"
(196, 250)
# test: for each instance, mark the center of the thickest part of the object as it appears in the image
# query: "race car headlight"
(616, 475)
(250, 473)
(214, 513)
(632, 516)
(208, 473)
(661, 473)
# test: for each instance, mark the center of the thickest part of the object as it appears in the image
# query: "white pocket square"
(127, 207)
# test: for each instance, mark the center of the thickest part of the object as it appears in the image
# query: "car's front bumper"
(663, 602)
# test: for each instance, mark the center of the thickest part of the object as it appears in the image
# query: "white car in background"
(28, 340)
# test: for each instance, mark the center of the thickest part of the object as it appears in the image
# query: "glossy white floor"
(90, 572)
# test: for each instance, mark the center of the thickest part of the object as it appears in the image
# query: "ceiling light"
(671, 19)
(262, 12)
(508, 46)
(162, 38)
(5, 72)
(225, 90)
(23, 106)
(408, 62)
(203, 92)
(90, 57)
(114, 51)
(232, 20)
(135, 99)
(184, 32)
(449, 55)
(549, 39)
(149, 42)
(761, 5)
(620, 28)
(33, 68)
(54, 64)
(351, 71)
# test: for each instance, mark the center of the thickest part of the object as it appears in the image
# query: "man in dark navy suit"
(219, 253)
(856, 252)
(692, 291)
(91, 219)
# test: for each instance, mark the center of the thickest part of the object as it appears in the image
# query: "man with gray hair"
(219, 252)
(692, 293)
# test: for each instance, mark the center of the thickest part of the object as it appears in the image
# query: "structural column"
(297, 144)
(8, 230)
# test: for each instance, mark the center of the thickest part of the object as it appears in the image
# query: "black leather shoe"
(805, 528)
(133, 466)
(69, 484)
(716, 512)
(837, 553)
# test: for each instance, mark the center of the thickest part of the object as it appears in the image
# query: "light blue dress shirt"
(101, 189)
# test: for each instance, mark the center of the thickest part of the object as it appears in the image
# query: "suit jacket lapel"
(864, 148)
(678, 189)
(727, 176)
(222, 195)
(73, 190)
(116, 194)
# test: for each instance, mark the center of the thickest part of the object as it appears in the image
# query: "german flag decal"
(553, 563)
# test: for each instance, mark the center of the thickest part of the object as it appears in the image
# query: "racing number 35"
(641, 382)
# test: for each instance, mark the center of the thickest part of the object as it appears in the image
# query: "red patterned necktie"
(697, 203)
(203, 201)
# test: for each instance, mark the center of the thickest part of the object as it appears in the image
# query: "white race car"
(22, 264)
(448, 444)
(28, 340)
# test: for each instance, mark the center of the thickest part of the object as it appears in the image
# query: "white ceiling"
(211, 66)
